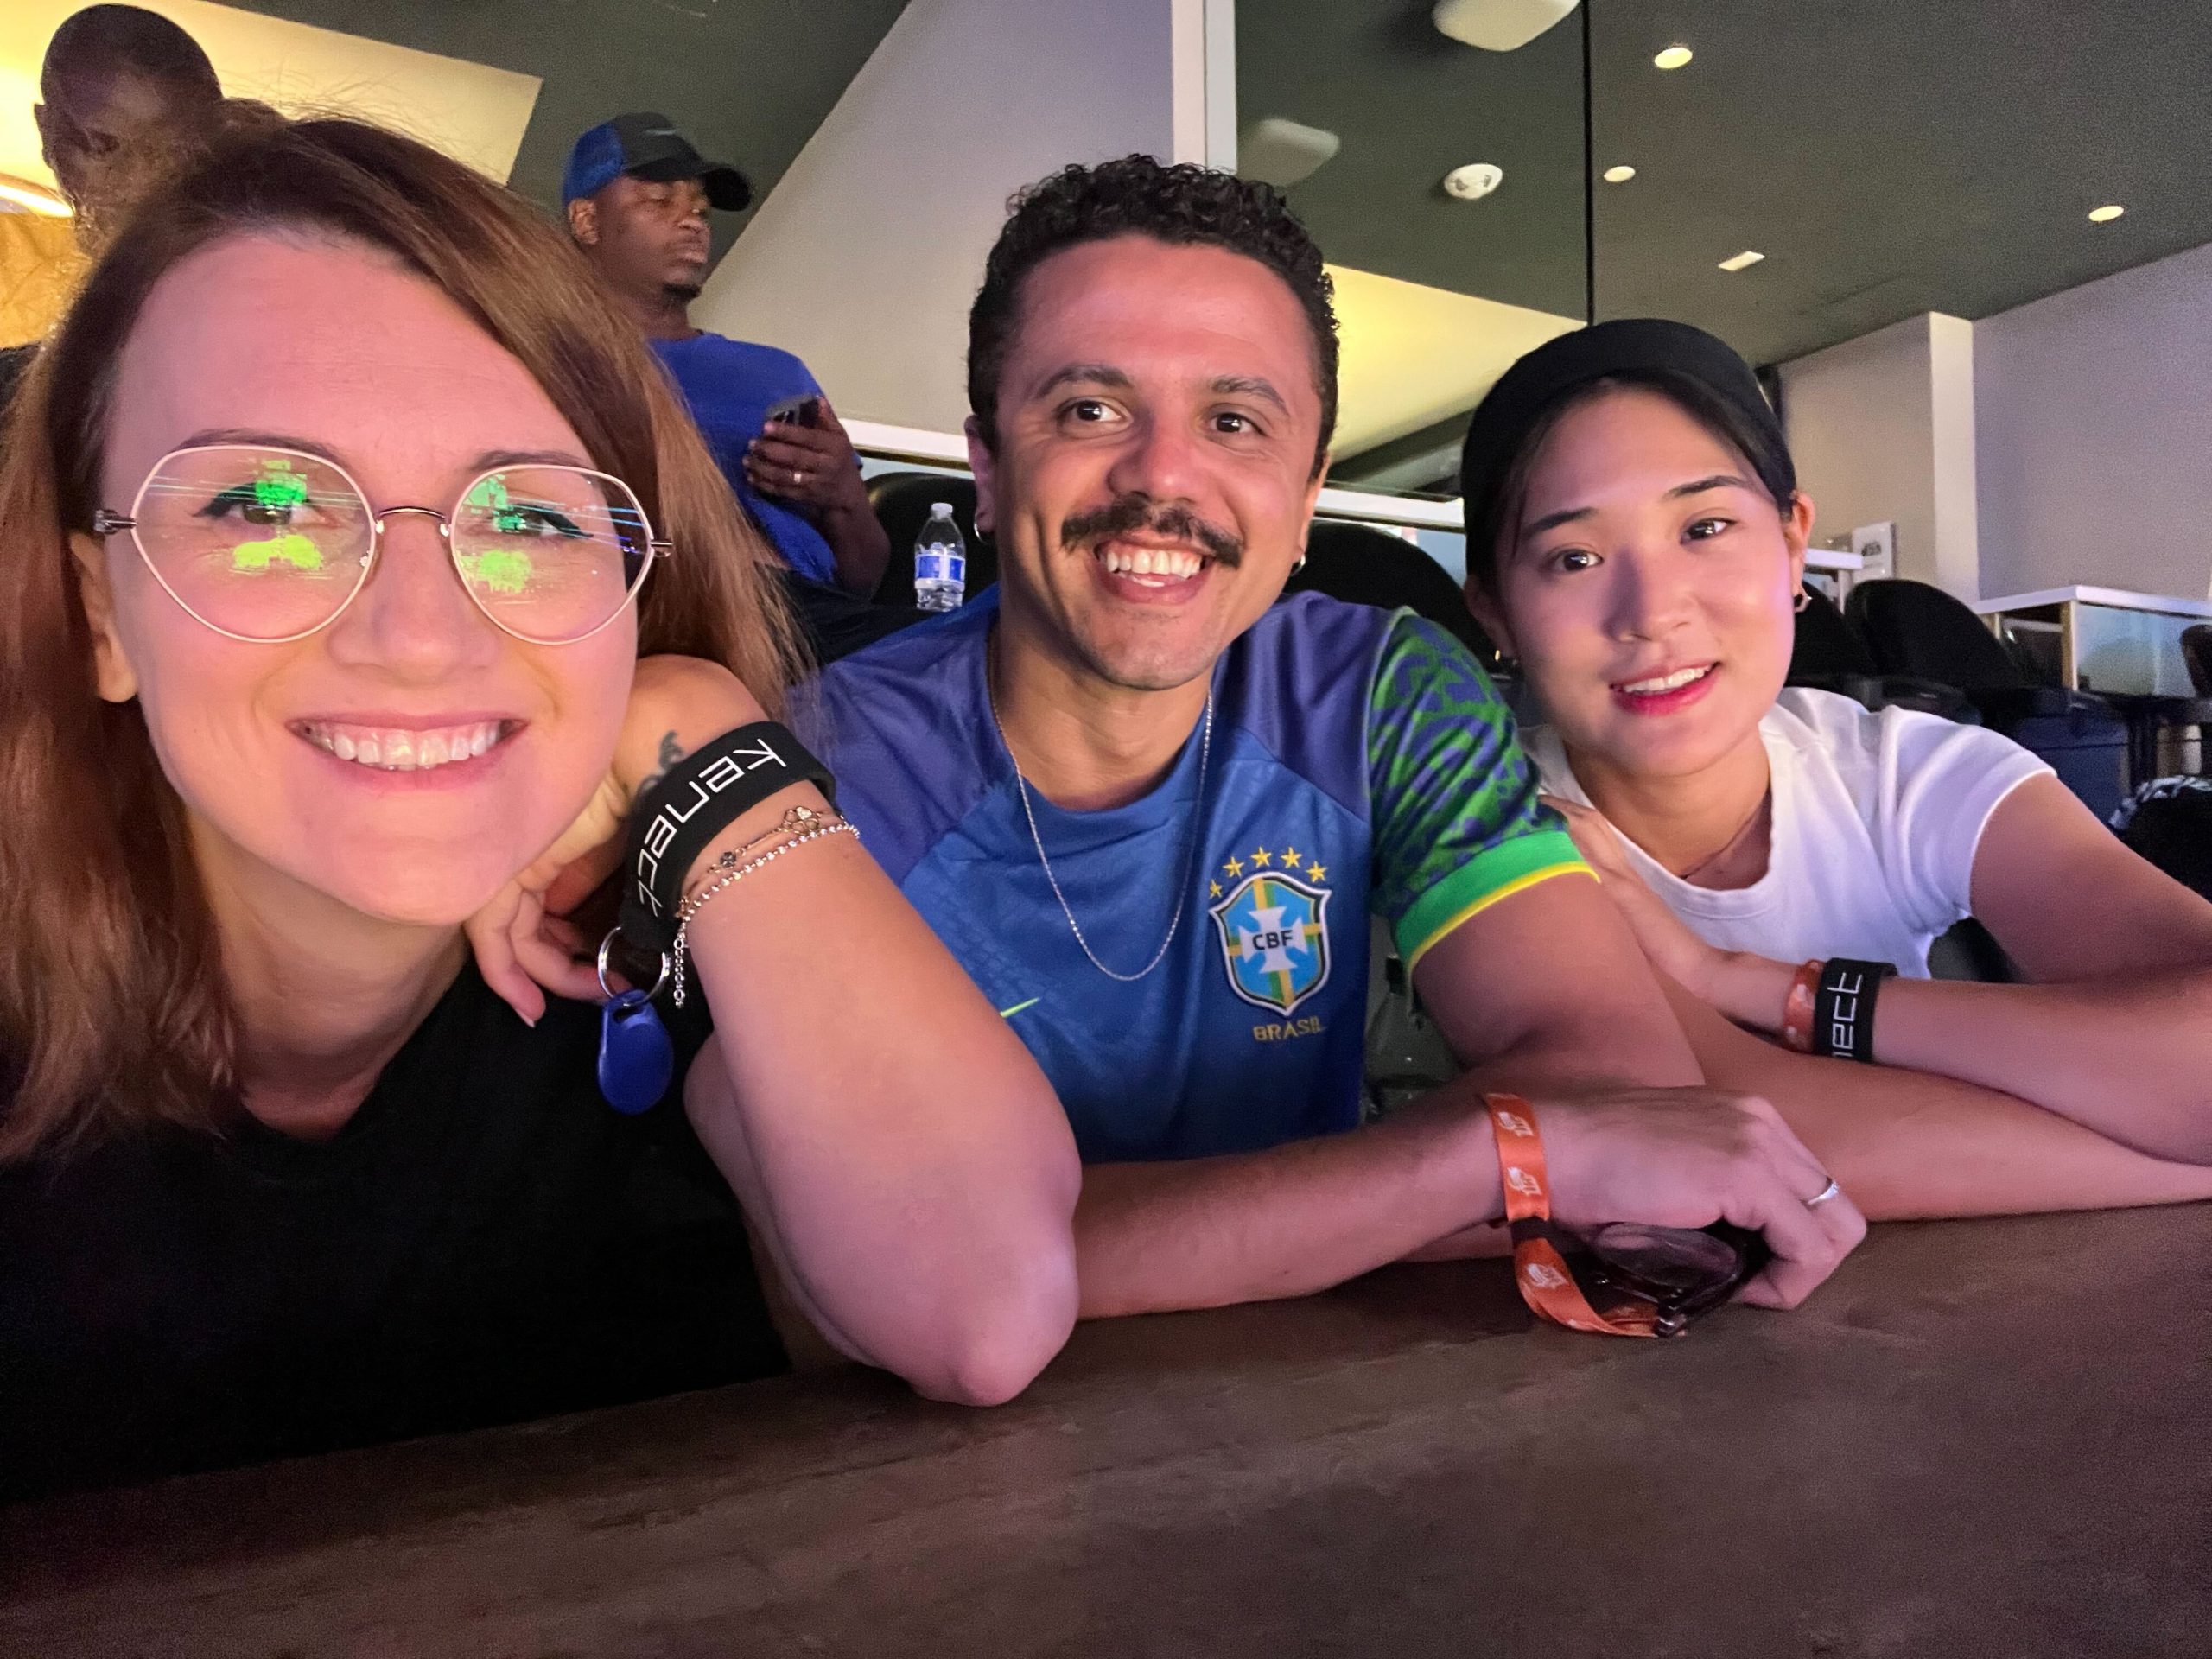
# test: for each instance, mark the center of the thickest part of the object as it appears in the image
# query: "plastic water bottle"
(940, 562)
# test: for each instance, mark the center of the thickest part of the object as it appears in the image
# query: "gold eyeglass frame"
(106, 523)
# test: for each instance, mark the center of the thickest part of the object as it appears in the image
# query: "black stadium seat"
(1829, 656)
(1366, 566)
(1827, 649)
(2196, 652)
(902, 503)
(1914, 628)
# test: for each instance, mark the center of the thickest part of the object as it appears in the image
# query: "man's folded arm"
(1246, 1227)
(1540, 991)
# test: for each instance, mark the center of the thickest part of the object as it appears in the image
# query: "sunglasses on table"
(1652, 1282)
(269, 545)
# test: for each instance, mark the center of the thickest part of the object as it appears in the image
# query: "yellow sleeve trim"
(1519, 884)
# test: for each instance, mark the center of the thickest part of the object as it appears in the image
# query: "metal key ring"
(606, 946)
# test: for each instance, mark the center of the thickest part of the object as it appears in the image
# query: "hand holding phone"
(803, 458)
(802, 409)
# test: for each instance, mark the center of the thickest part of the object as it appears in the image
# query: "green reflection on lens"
(490, 495)
(297, 550)
(501, 570)
(279, 486)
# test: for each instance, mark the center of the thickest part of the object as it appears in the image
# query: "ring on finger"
(1831, 1190)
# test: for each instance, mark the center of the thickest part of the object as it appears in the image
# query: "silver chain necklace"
(1190, 859)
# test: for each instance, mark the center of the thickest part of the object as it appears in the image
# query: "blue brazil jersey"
(1360, 761)
(730, 385)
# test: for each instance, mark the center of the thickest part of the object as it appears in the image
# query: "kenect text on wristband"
(1843, 1008)
(695, 800)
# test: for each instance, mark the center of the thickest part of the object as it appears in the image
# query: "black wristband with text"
(1843, 1008)
(693, 802)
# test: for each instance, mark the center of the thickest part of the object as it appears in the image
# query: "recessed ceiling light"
(1497, 25)
(1620, 175)
(1743, 261)
(2106, 215)
(1674, 57)
(1282, 152)
(1474, 181)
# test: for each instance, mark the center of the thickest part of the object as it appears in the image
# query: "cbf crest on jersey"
(1274, 925)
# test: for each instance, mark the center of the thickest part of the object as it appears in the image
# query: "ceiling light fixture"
(1620, 175)
(1743, 261)
(33, 199)
(1473, 181)
(2106, 215)
(1672, 58)
(1283, 152)
(1497, 25)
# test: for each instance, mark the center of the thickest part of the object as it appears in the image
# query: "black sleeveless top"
(486, 1241)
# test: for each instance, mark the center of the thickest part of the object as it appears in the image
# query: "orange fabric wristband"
(1797, 1007)
(1539, 1267)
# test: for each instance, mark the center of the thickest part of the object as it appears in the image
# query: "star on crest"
(1261, 858)
(1234, 868)
(1315, 872)
(1213, 889)
(1290, 858)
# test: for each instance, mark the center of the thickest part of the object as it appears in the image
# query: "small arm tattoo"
(670, 752)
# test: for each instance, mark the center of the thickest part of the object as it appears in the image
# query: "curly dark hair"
(1182, 204)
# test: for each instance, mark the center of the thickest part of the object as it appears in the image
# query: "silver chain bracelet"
(730, 875)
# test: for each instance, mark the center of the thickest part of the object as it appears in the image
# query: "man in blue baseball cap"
(637, 194)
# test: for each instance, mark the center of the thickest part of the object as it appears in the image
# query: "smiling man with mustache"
(1151, 809)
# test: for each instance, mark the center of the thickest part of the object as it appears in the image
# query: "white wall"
(1883, 428)
(2094, 411)
(865, 256)
(1954, 436)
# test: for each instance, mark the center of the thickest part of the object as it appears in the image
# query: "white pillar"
(1882, 429)
(1955, 478)
(865, 257)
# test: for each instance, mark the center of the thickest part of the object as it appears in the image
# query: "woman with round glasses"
(359, 573)
(1636, 538)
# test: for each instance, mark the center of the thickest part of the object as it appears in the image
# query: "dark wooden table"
(1982, 1437)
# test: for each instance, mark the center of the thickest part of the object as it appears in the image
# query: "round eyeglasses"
(269, 545)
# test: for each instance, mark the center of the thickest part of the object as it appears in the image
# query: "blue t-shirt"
(729, 384)
(1359, 761)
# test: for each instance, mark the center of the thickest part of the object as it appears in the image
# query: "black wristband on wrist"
(1843, 1008)
(695, 800)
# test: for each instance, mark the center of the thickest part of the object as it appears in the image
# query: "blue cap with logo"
(646, 145)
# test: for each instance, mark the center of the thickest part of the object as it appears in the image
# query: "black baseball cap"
(1536, 383)
(646, 145)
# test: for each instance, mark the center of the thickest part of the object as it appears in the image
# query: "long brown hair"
(112, 1008)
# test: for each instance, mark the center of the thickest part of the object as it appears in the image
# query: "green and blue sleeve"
(1457, 826)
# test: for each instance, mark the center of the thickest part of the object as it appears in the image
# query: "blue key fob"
(636, 1059)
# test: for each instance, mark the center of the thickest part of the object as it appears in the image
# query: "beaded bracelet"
(731, 873)
(793, 822)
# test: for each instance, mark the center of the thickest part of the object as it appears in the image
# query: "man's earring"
(1804, 599)
(1298, 564)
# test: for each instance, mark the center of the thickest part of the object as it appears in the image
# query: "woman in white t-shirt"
(1636, 537)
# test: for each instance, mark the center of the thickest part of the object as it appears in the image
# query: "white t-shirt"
(1877, 817)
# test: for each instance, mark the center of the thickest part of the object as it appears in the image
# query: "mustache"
(1136, 510)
